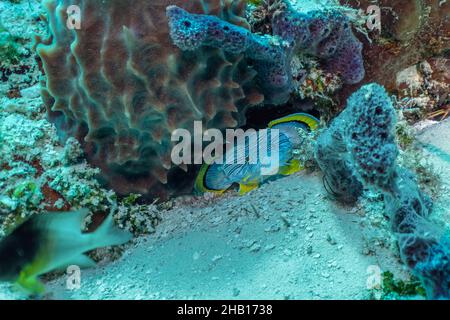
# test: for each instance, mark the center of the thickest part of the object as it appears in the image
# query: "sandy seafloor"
(285, 240)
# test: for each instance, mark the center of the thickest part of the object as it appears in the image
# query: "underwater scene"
(224, 150)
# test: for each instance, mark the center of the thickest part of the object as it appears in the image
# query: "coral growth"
(18, 67)
(38, 174)
(9, 49)
(120, 87)
(325, 34)
(398, 289)
(366, 157)
(424, 90)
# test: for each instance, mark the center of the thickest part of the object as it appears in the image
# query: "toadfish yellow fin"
(311, 121)
(246, 188)
(293, 167)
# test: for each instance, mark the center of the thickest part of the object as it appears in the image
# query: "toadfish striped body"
(218, 177)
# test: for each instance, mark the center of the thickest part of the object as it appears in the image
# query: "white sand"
(242, 247)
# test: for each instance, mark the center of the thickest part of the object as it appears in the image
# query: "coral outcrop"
(120, 86)
(411, 31)
(359, 150)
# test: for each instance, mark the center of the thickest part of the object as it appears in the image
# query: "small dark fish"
(51, 241)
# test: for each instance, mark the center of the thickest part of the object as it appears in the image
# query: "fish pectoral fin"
(31, 284)
(293, 167)
(246, 188)
(82, 261)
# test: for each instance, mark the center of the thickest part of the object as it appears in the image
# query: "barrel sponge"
(370, 135)
(121, 87)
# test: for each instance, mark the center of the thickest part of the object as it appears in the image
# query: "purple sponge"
(325, 34)
(190, 31)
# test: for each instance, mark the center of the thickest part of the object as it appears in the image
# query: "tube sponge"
(370, 135)
(325, 34)
(191, 31)
(335, 161)
(424, 246)
(359, 147)
(359, 151)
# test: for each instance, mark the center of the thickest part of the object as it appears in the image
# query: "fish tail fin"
(199, 181)
(109, 235)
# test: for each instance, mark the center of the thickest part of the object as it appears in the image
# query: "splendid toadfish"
(51, 241)
(219, 177)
